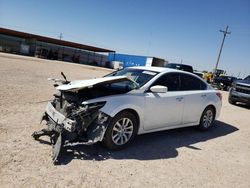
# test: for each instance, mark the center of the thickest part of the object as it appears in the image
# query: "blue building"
(135, 60)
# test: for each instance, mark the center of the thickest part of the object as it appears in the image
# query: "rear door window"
(189, 82)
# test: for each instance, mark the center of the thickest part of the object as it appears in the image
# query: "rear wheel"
(207, 118)
(121, 131)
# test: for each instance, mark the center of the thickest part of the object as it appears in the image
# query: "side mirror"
(159, 89)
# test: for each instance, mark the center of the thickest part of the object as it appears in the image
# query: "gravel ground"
(177, 158)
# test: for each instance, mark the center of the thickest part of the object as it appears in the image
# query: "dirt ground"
(177, 158)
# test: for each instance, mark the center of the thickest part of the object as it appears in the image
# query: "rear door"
(195, 93)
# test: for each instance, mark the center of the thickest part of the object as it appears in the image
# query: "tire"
(231, 101)
(121, 131)
(207, 118)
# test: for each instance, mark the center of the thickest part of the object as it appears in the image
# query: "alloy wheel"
(208, 118)
(122, 131)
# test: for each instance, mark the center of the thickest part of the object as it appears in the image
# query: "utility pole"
(60, 36)
(224, 36)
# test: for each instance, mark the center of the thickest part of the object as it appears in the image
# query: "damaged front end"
(72, 119)
(69, 123)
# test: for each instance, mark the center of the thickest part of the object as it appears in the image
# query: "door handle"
(203, 95)
(179, 98)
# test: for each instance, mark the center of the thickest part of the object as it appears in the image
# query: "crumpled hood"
(81, 84)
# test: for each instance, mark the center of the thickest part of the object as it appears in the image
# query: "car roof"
(180, 64)
(164, 70)
(158, 69)
(155, 69)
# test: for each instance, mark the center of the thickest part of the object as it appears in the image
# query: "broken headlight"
(95, 105)
(102, 118)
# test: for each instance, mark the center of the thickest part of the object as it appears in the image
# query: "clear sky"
(175, 30)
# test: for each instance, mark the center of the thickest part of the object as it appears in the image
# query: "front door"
(164, 109)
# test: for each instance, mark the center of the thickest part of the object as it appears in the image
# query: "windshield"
(173, 66)
(247, 78)
(139, 76)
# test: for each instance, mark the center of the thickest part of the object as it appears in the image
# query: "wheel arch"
(214, 108)
(135, 113)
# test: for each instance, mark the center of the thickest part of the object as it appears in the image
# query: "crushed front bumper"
(59, 118)
(62, 130)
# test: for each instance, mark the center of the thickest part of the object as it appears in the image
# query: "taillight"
(219, 95)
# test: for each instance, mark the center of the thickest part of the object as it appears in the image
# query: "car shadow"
(152, 146)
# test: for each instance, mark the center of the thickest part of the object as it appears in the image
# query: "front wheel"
(207, 118)
(121, 131)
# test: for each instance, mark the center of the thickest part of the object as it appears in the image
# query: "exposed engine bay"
(71, 120)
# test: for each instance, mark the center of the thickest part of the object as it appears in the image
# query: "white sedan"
(165, 99)
(137, 100)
